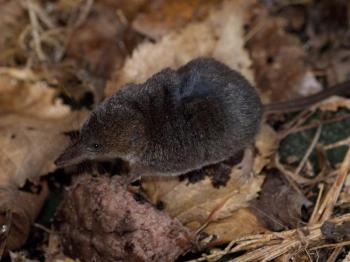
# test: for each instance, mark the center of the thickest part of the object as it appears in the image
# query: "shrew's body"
(179, 120)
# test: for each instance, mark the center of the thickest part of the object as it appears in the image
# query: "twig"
(299, 119)
(268, 246)
(84, 13)
(43, 16)
(341, 244)
(295, 178)
(271, 217)
(73, 25)
(327, 206)
(308, 151)
(312, 219)
(334, 254)
(257, 28)
(35, 31)
(47, 230)
(286, 133)
(343, 142)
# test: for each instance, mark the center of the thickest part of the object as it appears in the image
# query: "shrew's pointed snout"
(71, 155)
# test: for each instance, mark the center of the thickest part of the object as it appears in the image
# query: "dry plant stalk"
(266, 247)
(332, 196)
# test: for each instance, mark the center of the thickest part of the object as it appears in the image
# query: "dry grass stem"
(341, 244)
(314, 215)
(269, 246)
(35, 29)
(85, 11)
(332, 196)
(344, 142)
(334, 254)
(297, 179)
(314, 124)
(308, 151)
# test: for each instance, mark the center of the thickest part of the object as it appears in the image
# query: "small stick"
(35, 31)
(316, 210)
(308, 151)
(290, 175)
(286, 133)
(84, 13)
(273, 245)
(341, 244)
(334, 254)
(343, 142)
(333, 194)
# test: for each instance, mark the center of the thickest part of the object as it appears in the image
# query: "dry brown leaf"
(195, 204)
(32, 123)
(18, 211)
(129, 8)
(328, 35)
(279, 60)
(336, 233)
(219, 36)
(162, 16)
(99, 42)
(275, 195)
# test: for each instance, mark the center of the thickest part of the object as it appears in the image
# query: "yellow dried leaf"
(242, 222)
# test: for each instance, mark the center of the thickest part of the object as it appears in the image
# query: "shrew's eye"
(95, 147)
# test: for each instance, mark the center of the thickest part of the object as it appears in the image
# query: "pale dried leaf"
(196, 202)
(267, 144)
(32, 122)
(32, 126)
(334, 103)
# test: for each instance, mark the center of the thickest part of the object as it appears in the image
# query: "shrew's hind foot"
(246, 165)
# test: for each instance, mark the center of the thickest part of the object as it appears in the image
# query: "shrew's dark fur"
(177, 121)
(180, 120)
